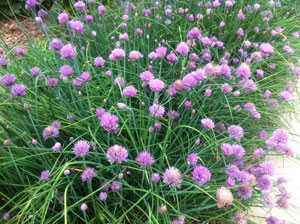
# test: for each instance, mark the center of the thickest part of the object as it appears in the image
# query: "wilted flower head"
(224, 197)
(50, 132)
(172, 176)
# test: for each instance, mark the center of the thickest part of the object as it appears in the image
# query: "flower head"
(207, 123)
(81, 148)
(156, 85)
(145, 159)
(88, 174)
(45, 175)
(116, 154)
(172, 176)
(129, 91)
(157, 110)
(224, 197)
(201, 175)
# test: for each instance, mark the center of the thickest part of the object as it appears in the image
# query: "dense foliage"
(153, 112)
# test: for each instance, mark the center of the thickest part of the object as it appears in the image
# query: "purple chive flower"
(52, 82)
(221, 127)
(88, 174)
(146, 76)
(201, 175)
(172, 114)
(115, 186)
(18, 90)
(267, 168)
(45, 175)
(116, 154)
(103, 196)
(227, 149)
(266, 48)
(77, 26)
(20, 51)
(238, 151)
(109, 122)
(66, 70)
(258, 152)
(192, 159)
(224, 197)
(226, 88)
(81, 148)
(120, 81)
(172, 58)
(172, 176)
(157, 110)
(161, 52)
(269, 200)
(3, 62)
(101, 10)
(129, 91)
(135, 55)
(8, 80)
(79, 5)
(89, 18)
(189, 81)
(67, 51)
(63, 18)
(207, 123)
(6, 216)
(243, 71)
(56, 147)
(116, 54)
(35, 71)
(50, 132)
(240, 32)
(236, 132)
(187, 104)
(156, 85)
(265, 183)
(155, 177)
(85, 76)
(55, 45)
(244, 192)
(194, 33)
(145, 159)
(83, 207)
(180, 220)
(282, 180)
(182, 48)
(99, 62)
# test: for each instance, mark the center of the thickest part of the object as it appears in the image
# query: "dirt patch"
(14, 36)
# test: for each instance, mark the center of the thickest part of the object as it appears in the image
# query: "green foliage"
(11, 7)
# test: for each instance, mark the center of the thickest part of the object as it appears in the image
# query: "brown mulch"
(14, 36)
